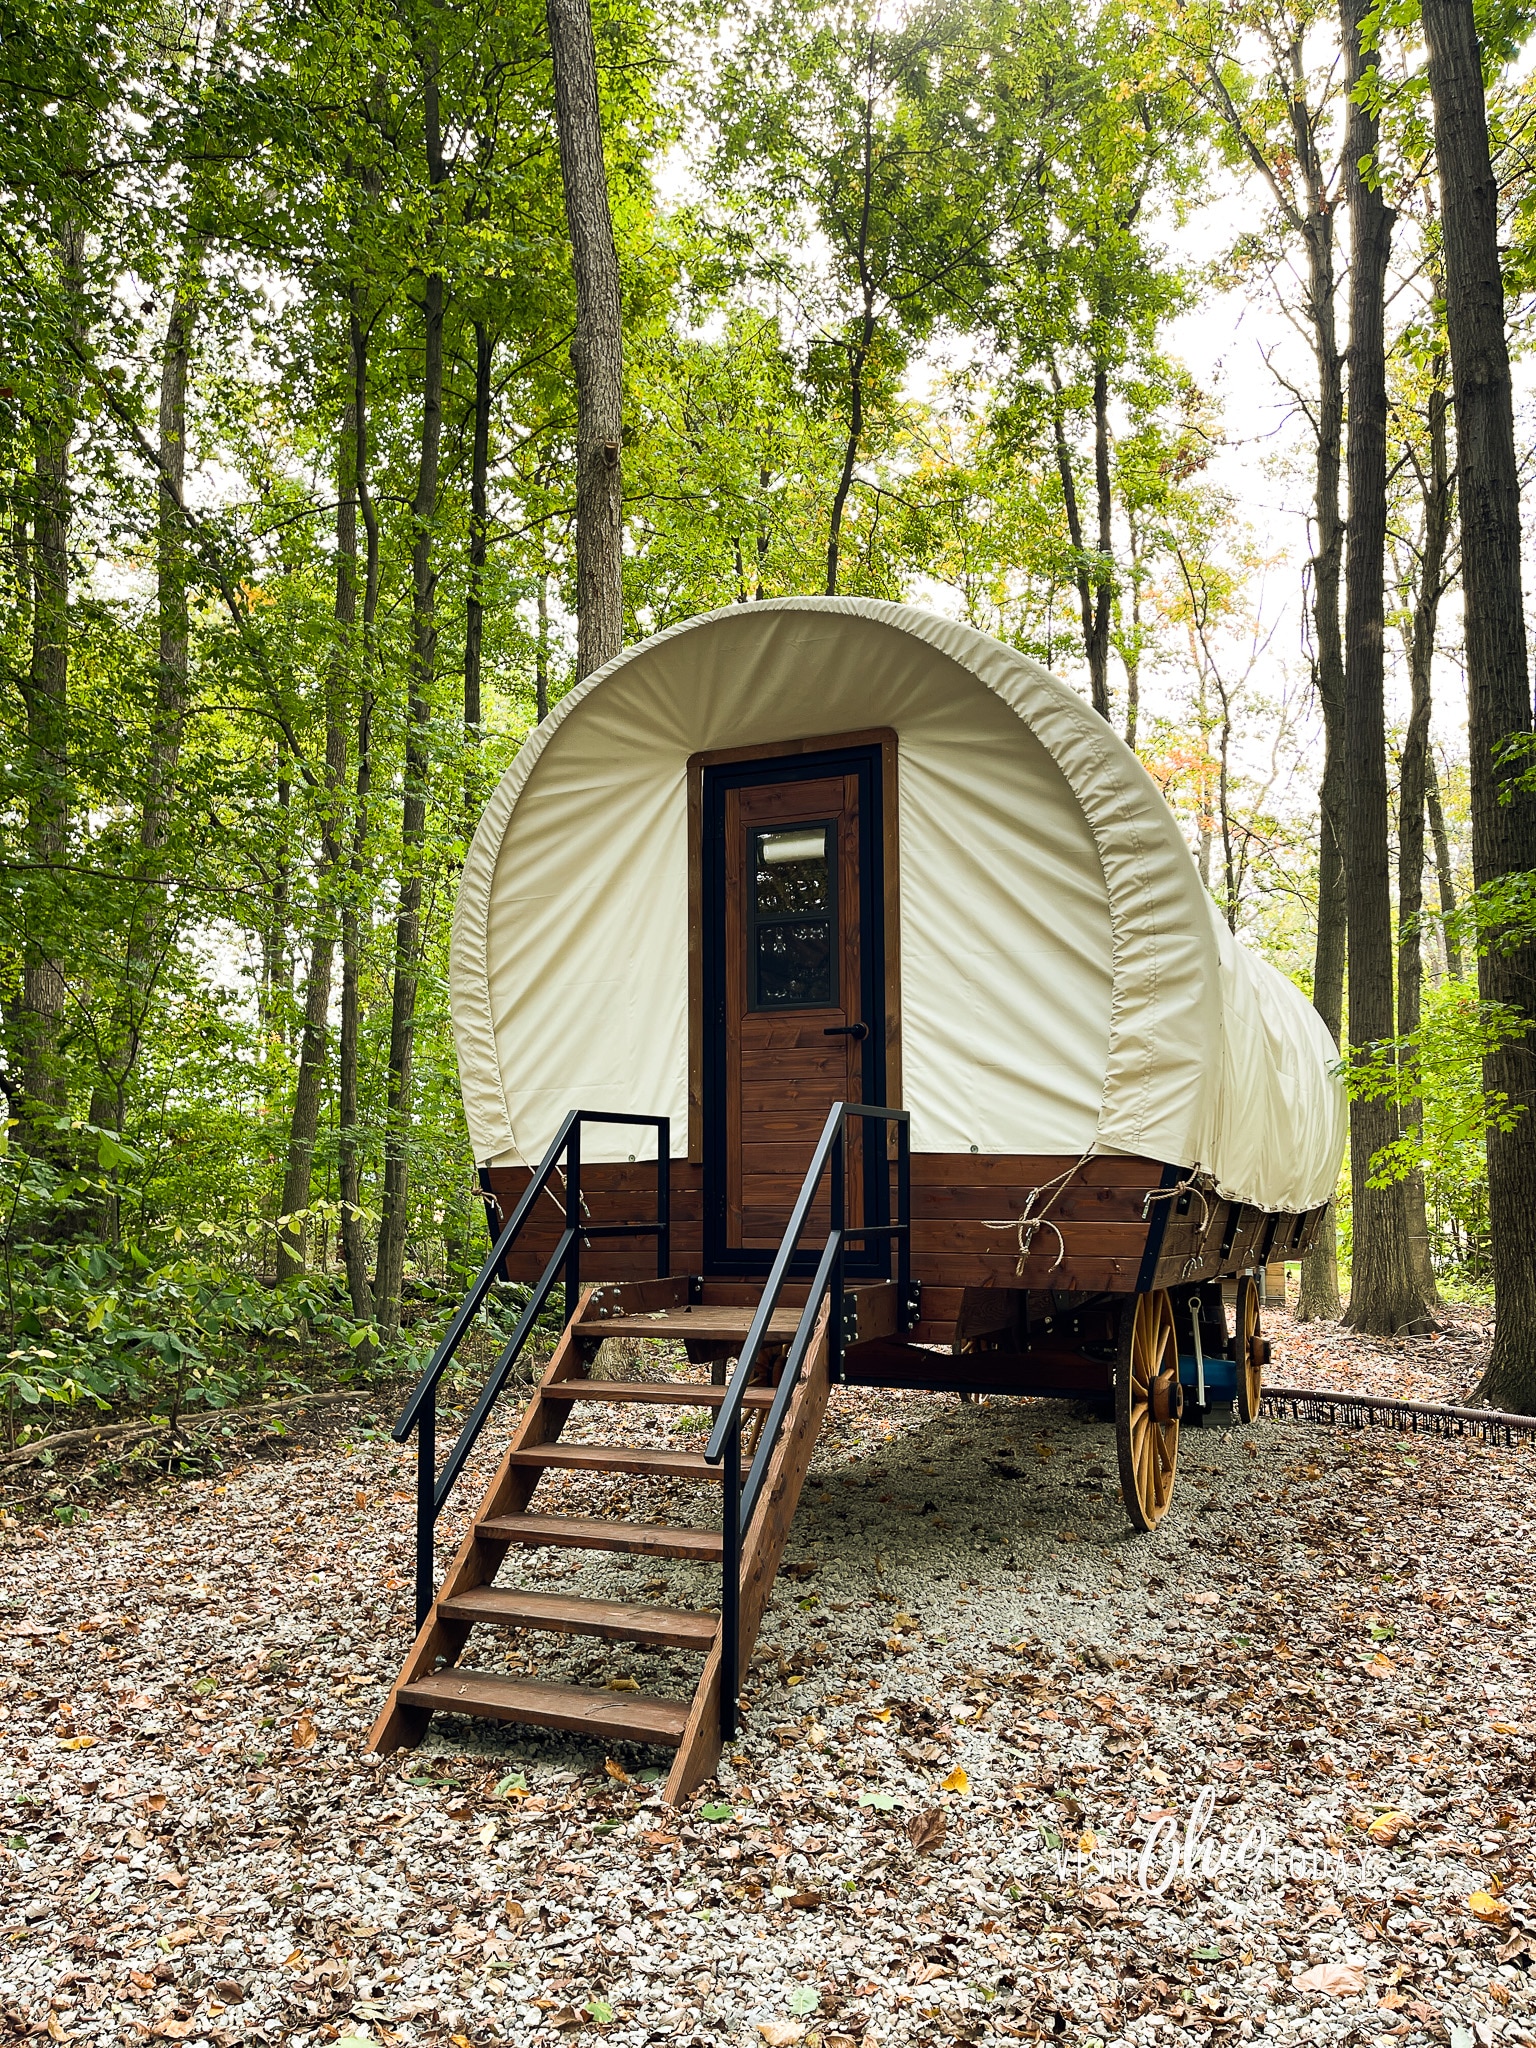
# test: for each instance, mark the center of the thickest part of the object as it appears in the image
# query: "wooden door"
(799, 1021)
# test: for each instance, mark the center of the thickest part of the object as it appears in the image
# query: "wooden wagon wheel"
(1250, 1351)
(1148, 1403)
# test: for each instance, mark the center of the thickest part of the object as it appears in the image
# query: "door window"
(793, 914)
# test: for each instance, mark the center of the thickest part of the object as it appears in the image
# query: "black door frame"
(867, 763)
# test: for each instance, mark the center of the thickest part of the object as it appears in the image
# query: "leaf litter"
(991, 1788)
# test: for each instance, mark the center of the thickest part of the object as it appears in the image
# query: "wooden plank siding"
(955, 1197)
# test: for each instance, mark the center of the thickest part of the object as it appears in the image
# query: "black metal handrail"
(740, 1501)
(420, 1411)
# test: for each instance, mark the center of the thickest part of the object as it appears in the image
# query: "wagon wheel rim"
(1248, 1351)
(1147, 1404)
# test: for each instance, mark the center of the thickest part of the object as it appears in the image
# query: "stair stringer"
(699, 1751)
(479, 1558)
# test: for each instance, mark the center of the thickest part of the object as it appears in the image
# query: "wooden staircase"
(712, 1325)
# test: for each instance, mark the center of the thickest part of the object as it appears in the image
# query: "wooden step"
(639, 1459)
(654, 1393)
(615, 1716)
(586, 1532)
(712, 1324)
(678, 1628)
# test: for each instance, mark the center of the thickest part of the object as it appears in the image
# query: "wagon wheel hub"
(1166, 1398)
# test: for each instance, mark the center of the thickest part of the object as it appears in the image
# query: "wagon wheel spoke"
(1148, 1447)
(1247, 1352)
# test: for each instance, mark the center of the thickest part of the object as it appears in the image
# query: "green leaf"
(804, 1998)
(514, 1782)
(599, 2010)
(717, 1810)
(111, 1151)
(882, 1802)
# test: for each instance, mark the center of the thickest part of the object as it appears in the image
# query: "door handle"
(854, 1031)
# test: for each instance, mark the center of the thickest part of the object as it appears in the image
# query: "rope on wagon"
(1033, 1221)
(1189, 1185)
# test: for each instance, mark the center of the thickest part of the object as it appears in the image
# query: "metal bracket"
(850, 1319)
(912, 1307)
(695, 1289)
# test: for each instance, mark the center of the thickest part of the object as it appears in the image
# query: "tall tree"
(421, 670)
(597, 348)
(1498, 677)
(1382, 1296)
(1436, 491)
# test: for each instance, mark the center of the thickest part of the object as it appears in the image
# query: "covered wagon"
(834, 992)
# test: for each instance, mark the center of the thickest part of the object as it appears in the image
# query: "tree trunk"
(1094, 591)
(858, 356)
(354, 1246)
(1319, 1292)
(541, 650)
(293, 1240)
(1382, 1297)
(1436, 488)
(1498, 681)
(395, 1193)
(597, 350)
(143, 948)
(1443, 875)
(479, 527)
(45, 695)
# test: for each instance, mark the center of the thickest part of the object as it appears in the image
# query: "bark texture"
(395, 1191)
(1498, 680)
(314, 1043)
(44, 687)
(1382, 1297)
(597, 350)
(1435, 484)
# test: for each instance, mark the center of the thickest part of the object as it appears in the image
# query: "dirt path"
(969, 1651)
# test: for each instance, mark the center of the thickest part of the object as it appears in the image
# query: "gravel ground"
(1010, 1773)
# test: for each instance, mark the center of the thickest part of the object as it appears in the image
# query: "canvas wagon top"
(1066, 984)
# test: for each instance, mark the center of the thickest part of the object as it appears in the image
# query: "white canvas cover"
(1066, 983)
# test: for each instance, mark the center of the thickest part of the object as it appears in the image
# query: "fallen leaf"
(1339, 1980)
(805, 1902)
(781, 2033)
(78, 1741)
(55, 2031)
(616, 1771)
(957, 1781)
(304, 1732)
(1387, 1827)
(565, 2020)
(928, 1830)
(1484, 1906)
(930, 1972)
(1379, 1667)
(622, 1685)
